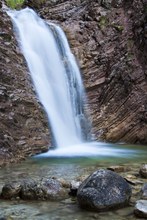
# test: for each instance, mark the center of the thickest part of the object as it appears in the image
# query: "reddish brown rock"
(108, 39)
(23, 125)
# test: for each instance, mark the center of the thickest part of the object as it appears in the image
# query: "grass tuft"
(14, 4)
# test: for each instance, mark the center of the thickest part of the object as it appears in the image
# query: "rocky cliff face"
(22, 121)
(109, 39)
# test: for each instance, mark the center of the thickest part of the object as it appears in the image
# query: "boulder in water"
(143, 171)
(144, 191)
(52, 189)
(11, 190)
(45, 189)
(31, 190)
(141, 208)
(103, 190)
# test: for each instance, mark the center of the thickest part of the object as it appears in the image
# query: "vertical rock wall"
(109, 40)
(23, 125)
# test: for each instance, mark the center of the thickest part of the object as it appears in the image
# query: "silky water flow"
(58, 84)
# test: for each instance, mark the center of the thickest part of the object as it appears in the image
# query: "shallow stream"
(70, 169)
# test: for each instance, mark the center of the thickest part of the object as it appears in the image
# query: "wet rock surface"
(143, 170)
(103, 190)
(144, 191)
(74, 187)
(45, 189)
(141, 209)
(11, 190)
(119, 169)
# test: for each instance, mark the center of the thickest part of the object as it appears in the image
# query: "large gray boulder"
(103, 190)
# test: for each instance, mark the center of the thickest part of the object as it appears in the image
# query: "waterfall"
(55, 75)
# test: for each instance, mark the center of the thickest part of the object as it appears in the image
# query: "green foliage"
(118, 27)
(14, 3)
(103, 22)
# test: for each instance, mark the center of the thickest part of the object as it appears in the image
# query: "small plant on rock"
(14, 4)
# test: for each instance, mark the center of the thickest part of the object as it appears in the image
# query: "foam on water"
(90, 149)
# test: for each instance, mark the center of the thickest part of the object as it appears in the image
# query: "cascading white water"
(55, 74)
(58, 84)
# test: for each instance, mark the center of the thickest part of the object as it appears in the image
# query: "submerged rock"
(103, 190)
(52, 189)
(30, 190)
(143, 171)
(141, 208)
(118, 169)
(11, 190)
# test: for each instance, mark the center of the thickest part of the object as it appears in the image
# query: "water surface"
(69, 169)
